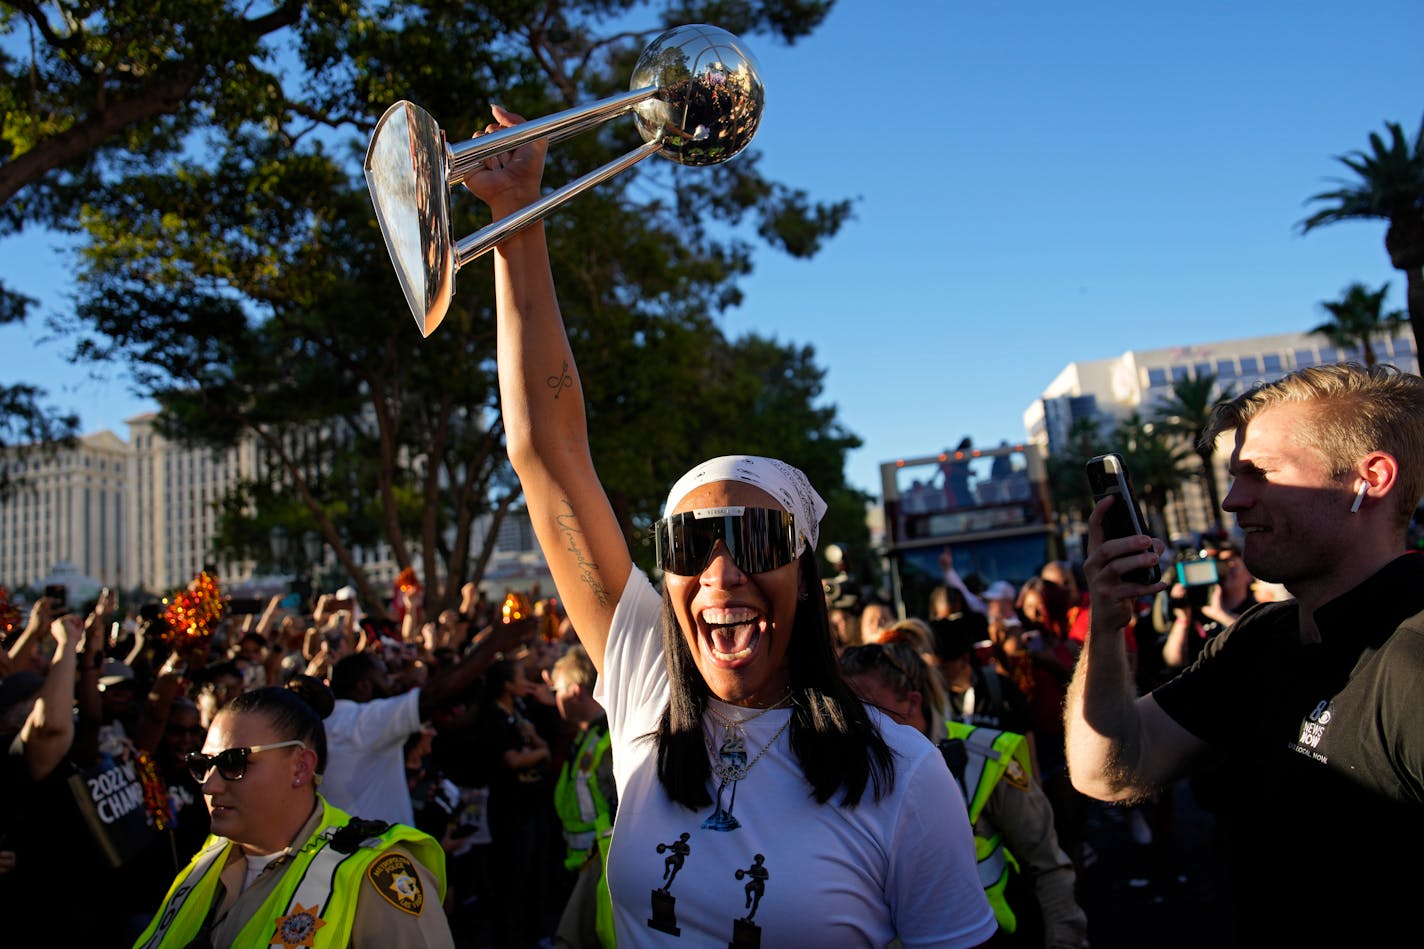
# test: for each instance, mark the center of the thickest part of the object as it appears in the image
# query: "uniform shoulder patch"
(1016, 776)
(394, 877)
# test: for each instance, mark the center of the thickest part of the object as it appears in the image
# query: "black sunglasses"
(230, 763)
(758, 538)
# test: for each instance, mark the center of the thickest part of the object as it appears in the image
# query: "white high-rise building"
(174, 492)
(67, 507)
(1109, 390)
(144, 513)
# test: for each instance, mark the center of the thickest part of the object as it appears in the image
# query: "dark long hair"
(832, 736)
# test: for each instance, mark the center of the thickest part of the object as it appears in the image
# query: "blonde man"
(1311, 704)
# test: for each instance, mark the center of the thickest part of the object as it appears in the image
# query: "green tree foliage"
(1388, 185)
(1184, 414)
(233, 263)
(1357, 319)
(29, 429)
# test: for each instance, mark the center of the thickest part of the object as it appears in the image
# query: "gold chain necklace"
(726, 767)
(730, 763)
(728, 758)
(737, 723)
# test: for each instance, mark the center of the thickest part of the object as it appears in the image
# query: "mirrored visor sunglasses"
(758, 538)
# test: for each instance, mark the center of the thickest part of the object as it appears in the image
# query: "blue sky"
(1035, 182)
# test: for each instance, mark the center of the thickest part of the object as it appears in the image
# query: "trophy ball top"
(710, 94)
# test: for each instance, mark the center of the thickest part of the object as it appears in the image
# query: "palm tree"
(1391, 186)
(1185, 414)
(1067, 484)
(1156, 465)
(1356, 320)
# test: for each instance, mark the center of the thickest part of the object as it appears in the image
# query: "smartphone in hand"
(1107, 475)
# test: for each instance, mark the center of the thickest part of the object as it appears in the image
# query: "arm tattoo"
(561, 381)
(588, 570)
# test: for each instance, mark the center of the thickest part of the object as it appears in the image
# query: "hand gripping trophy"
(696, 95)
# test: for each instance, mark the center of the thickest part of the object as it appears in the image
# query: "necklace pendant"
(731, 758)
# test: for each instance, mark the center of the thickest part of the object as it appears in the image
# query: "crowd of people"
(124, 737)
(712, 751)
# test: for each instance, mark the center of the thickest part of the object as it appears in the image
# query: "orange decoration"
(549, 621)
(155, 792)
(516, 607)
(407, 582)
(191, 614)
(10, 617)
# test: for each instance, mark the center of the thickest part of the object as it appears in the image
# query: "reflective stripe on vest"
(576, 786)
(315, 873)
(991, 753)
(184, 887)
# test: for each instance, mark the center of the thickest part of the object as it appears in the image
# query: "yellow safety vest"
(580, 835)
(314, 876)
(992, 754)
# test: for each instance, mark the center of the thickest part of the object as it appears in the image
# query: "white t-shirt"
(365, 757)
(829, 875)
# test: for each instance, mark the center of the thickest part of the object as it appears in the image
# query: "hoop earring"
(1359, 497)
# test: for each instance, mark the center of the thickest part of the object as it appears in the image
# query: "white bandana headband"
(784, 482)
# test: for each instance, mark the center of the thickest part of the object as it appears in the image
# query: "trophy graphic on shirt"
(745, 933)
(664, 918)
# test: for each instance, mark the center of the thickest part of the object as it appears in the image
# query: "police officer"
(586, 799)
(283, 867)
(1012, 819)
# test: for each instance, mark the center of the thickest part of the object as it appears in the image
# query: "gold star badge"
(394, 877)
(1016, 775)
(298, 928)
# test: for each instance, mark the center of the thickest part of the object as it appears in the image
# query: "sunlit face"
(1293, 511)
(574, 702)
(737, 625)
(873, 690)
(873, 618)
(255, 810)
(1033, 608)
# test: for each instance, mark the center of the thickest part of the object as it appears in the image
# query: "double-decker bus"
(989, 507)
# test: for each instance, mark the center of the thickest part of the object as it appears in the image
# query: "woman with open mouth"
(760, 802)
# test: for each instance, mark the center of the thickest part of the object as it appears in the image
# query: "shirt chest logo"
(1312, 730)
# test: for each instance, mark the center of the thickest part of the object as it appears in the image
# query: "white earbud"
(1359, 497)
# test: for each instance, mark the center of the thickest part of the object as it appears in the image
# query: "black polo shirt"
(1325, 758)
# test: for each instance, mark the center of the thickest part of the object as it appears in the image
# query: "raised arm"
(542, 403)
(23, 648)
(49, 731)
(1120, 746)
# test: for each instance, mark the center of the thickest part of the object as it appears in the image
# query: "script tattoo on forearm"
(588, 570)
(561, 381)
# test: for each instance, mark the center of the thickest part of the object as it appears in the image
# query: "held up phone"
(245, 605)
(1107, 475)
(58, 597)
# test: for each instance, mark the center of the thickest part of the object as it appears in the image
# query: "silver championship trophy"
(696, 95)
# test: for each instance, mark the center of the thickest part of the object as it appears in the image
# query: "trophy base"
(720, 820)
(745, 935)
(664, 918)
